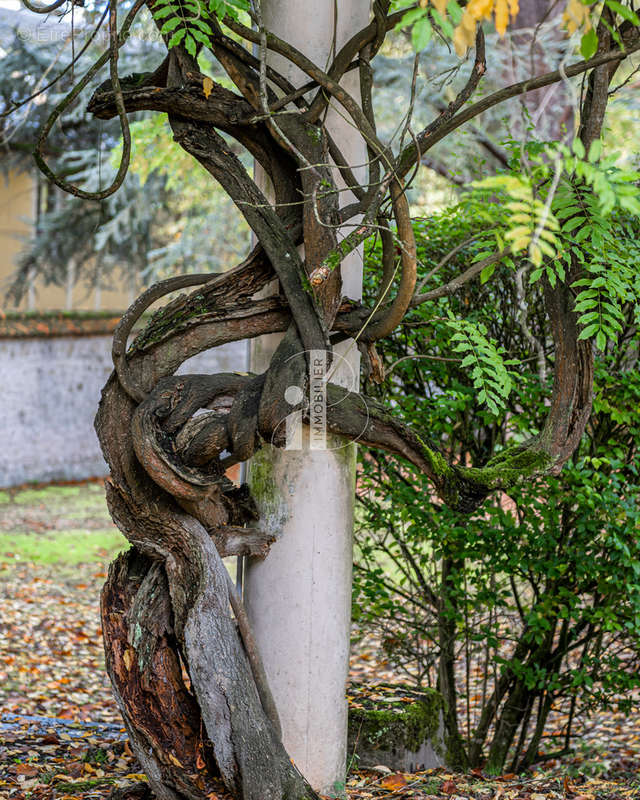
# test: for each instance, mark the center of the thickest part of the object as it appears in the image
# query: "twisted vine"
(180, 653)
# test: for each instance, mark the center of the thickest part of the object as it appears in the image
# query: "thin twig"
(457, 283)
(111, 55)
(429, 138)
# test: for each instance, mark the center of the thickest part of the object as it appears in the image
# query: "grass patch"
(68, 546)
(86, 494)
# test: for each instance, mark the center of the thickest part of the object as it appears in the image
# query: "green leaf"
(170, 25)
(164, 11)
(572, 224)
(411, 17)
(578, 148)
(200, 37)
(177, 37)
(421, 34)
(190, 45)
(595, 150)
(589, 331)
(551, 277)
(204, 26)
(487, 272)
(443, 22)
(625, 13)
(589, 44)
(455, 12)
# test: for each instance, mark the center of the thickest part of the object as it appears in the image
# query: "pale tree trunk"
(299, 599)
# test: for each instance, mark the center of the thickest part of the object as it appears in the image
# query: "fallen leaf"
(394, 782)
(28, 770)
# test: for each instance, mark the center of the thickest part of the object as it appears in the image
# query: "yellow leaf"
(441, 6)
(519, 230)
(463, 36)
(136, 776)
(174, 760)
(548, 235)
(547, 249)
(535, 257)
(576, 15)
(520, 244)
(502, 16)
(480, 9)
(519, 206)
(128, 657)
(207, 86)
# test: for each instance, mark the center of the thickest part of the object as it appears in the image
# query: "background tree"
(191, 690)
(147, 231)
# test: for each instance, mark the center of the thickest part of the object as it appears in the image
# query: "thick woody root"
(150, 684)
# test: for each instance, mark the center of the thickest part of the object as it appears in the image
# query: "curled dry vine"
(186, 672)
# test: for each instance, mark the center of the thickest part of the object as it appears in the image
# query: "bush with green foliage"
(532, 604)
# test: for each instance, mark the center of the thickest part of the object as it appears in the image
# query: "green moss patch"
(388, 717)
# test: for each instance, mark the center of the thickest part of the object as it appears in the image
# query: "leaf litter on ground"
(52, 669)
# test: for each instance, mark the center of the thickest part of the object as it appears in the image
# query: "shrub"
(532, 604)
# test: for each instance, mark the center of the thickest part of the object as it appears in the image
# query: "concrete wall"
(48, 398)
